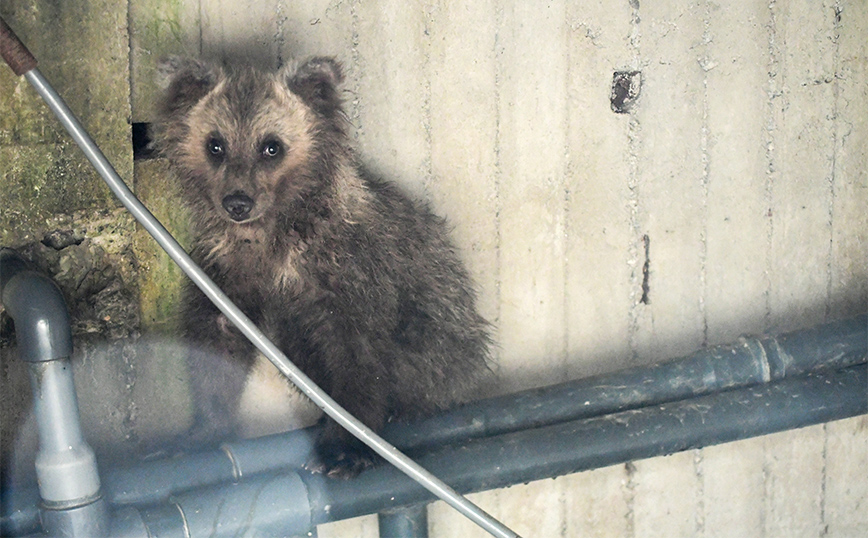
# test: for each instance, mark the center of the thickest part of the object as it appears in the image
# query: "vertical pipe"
(88, 521)
(65, 464)
(409, 522)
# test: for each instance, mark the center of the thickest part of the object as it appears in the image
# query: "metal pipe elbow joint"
(38, 308)
(65, 464)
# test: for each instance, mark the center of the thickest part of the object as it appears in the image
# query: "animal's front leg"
(355, 378)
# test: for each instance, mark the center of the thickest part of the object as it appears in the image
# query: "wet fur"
(356, 283)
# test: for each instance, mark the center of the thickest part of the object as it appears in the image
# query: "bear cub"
(357, 284)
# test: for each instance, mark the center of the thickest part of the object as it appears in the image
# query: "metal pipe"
(33, 300)
(267, 504)
(65, 464)
(547, 452)
(409, 522)
(750, 361)
(228, 308)
(745, 363)
(595, 441)
(158, 480)
(570, 447)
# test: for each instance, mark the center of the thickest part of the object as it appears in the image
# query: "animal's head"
(243, 140)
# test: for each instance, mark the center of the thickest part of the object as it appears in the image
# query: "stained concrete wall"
(729, 199)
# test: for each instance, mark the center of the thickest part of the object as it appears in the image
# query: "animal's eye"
(271, 148)
(215, 147)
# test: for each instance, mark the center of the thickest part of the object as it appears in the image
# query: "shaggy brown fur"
(357, 284)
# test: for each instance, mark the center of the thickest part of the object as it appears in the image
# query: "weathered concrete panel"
(240, 32)
(534, 509)
(158, 28)
(666, 490)
(793, 495)
(595, 504)
(317, 28)
(392, 122)
(672, 187)
(849, 182)
(82, 49)
(161, 280)
(161, 393)
(801, 162)
(33, 179)
(463, 134)
(600, 290)
(845, 490)
(532, 163)
(732, 480)
(738, 225)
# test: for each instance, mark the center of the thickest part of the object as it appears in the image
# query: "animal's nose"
(238, 206)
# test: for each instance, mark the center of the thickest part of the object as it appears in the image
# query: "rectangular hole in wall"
(143, 147)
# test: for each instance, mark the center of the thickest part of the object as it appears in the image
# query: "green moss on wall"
(161, 280)
(158, 28)
(82, 48)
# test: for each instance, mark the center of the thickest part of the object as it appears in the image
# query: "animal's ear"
(316, 81)
(185, 81)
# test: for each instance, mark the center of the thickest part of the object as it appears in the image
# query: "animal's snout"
(238, 206)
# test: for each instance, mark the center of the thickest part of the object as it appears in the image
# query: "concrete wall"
(729, 199)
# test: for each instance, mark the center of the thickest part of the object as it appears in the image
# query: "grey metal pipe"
(37, 306)
(409, 522)
(747, 362)
(66, 467)
(12, 50)
(750, 361)
(546, 452)
(65, 463)
(570, 447)
(266, 505)
(566, 447)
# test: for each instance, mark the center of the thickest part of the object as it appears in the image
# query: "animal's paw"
(341, 460)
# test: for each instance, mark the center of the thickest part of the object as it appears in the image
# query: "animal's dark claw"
(340, 460)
